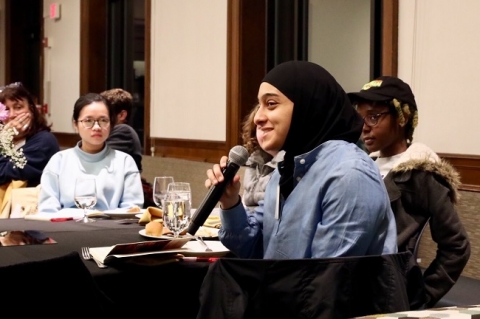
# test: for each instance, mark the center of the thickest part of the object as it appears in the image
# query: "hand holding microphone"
(219, 179)
(231, 189)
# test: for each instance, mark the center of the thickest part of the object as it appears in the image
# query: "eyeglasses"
(372, 119)
(89, 123)
(11, 85)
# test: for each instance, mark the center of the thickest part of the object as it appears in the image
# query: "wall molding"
(194, 150)
(66, 140)
(468, 166)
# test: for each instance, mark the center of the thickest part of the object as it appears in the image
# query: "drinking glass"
(160, 187)
(178, 203)
(85, 196)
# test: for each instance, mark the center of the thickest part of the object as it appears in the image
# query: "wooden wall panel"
(201, 151)
(93, 46)
(66, 140)
(389, 37)
(148, 76)
(469, 168)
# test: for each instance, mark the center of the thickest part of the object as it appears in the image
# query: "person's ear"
(75, 126)
(122, 115)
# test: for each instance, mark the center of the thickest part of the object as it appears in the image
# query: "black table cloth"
(139, 285)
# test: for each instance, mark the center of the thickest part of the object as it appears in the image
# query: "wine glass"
(85, 196)
(160, 186)
(177, 211)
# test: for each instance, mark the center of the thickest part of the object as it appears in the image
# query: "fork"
(200, 239)
(87, 256)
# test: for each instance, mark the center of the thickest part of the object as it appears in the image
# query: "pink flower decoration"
(3, 112)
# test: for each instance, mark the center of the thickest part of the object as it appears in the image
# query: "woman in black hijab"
(327, 197)
(322, 112)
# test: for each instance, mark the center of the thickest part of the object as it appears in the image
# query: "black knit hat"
(385, 88)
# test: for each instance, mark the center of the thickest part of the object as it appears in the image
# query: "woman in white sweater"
(117, 177)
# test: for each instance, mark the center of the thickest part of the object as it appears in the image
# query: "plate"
(122, 213)
(204, 232)
(144, 234)
(196, 249)
(139, 215)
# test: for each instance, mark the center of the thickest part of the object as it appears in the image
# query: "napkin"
(213, 221)
(74, 213)
(150, 214)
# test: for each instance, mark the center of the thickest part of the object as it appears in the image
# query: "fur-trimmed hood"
(420, 157)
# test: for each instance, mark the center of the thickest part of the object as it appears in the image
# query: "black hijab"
(321, 112)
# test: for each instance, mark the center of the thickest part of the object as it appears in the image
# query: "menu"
(107, 254)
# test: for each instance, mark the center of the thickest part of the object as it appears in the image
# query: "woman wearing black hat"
(422, 187)
(326, 198)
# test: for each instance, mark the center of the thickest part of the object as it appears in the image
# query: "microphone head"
(238, 155)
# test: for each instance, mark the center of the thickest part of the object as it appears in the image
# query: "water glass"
(178, 205)
(85, 196)
(160, 187)
(183, 190)
(176, 213)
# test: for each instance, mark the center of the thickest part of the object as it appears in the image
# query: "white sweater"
(117, 179)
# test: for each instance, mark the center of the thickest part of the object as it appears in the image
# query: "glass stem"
(85, 218)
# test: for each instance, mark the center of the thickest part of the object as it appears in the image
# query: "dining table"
(453, 312)
(139, 284)
(146, 285)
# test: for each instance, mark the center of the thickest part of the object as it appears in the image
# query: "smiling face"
(387, 136)
(93, 139)
(273, 118)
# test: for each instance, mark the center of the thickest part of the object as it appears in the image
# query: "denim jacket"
(338, 207)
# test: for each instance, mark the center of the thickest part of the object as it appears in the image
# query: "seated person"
(117, 176)
(327, 198)
(260, 165)
(124, 138)
(33, 145)
(422, 187)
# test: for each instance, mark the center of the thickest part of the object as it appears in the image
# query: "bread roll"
(154, 228)
(134, 209)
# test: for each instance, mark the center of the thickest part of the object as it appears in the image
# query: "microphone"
(237, 157)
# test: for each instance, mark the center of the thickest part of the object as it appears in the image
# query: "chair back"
(24, 201)
(307, 288)
(6, 191)
(53, 287)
